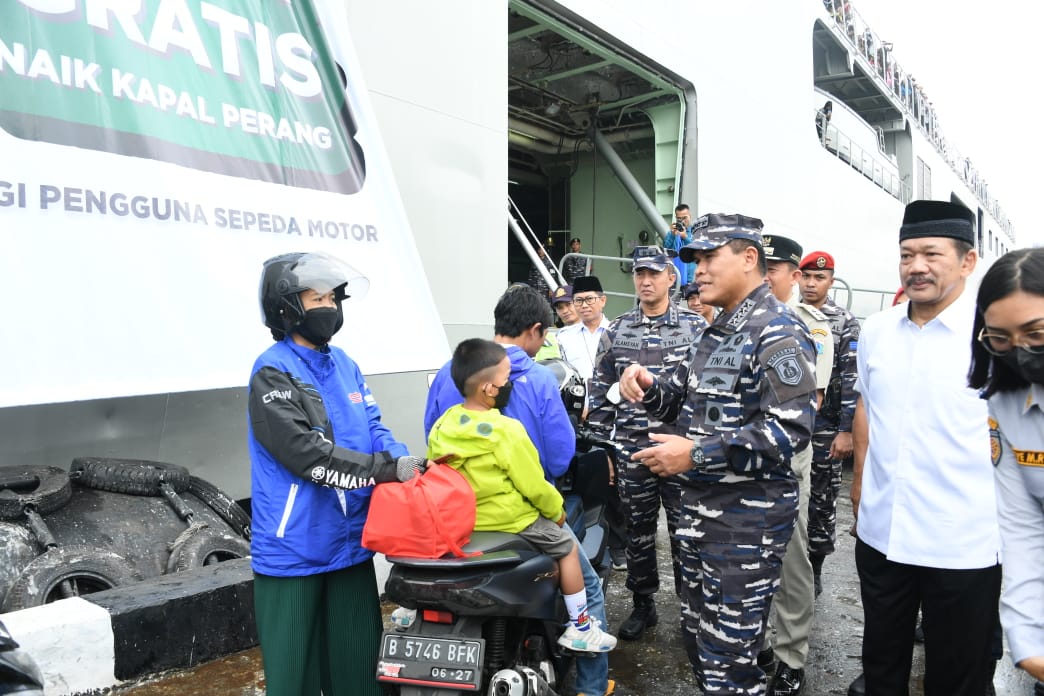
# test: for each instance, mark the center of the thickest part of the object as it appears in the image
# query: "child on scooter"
(497, 458)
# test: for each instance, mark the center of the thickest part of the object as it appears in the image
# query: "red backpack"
(426, 517)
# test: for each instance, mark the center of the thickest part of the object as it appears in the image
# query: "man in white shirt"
(923, 485)
(579, 342)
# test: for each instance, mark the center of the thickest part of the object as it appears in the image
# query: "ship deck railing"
(884, 175)
(876, 55)
(862, 302)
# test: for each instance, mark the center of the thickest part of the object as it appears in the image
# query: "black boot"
(787, 682)
(643, 616)
(767, 661)
(858, 687)
(817, 571)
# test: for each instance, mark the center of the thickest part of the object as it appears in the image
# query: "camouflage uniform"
(659, 344)
(794, 605)
(536, 280)
(575, 266)
(746, 396)
(835, 416)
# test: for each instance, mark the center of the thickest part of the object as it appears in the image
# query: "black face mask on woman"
(500, 401)
(320, 324)
(1029, 366)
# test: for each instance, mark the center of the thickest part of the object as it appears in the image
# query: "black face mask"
(320, 324)
(500, 401)
(1026, 364)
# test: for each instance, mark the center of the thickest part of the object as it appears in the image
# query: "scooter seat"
(493, 548)
(488, 542)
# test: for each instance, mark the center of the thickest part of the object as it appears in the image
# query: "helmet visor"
(323, 273)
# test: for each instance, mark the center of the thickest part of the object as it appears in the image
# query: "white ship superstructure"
(596, 117)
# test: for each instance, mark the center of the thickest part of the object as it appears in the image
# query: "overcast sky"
(978, 63)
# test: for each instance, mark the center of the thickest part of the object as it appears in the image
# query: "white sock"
(576, 605)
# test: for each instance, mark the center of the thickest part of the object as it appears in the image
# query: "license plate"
(422, 660)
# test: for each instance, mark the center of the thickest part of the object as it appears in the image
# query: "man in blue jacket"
(520, 324)
(317, 448)
(521, 318)
(680, 234)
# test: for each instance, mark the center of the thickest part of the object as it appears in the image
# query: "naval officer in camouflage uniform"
(832, 439)
(658, 334)
(743, 402)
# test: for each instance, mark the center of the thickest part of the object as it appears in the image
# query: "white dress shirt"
(579, 346)
(928, 494)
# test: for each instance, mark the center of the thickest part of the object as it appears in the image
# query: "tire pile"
(107, 523)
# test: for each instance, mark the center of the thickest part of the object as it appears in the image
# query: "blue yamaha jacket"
(317, 448)
(535, 400)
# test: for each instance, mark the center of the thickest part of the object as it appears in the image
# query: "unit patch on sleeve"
(820, 337)
(995, 442)
(787, 371)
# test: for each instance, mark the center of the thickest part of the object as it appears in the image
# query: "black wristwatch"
(696, 455)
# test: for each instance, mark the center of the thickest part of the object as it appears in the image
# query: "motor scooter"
(489, 623)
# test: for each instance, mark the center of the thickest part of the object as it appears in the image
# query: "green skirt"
(319, 632)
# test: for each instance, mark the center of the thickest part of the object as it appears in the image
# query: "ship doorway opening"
(567, 79)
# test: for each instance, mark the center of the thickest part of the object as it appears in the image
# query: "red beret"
(817, 261)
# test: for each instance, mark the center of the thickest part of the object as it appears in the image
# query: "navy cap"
(652, 257)
(938, 219)
(779, 248)
(716, 229)
(690, 290)
(562, 294)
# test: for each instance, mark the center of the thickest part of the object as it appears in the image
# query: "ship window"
(924, 180)
(991, 240)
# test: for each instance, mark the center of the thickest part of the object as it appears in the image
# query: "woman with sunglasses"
(1008, 366)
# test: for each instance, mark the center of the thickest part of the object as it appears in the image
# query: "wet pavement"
(656, 663)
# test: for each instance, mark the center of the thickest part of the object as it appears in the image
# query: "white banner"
(152, 158)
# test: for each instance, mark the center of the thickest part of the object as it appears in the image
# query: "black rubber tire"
(225, 507)
(130, 476)
(206, 547)
(45, 487)
(87, 569)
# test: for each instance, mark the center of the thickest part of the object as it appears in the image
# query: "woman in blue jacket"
(317, 448)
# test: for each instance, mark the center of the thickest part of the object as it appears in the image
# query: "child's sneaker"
(403, 617)
(593, 639)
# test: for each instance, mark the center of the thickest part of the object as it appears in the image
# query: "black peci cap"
(938, 219)
(587, 284)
